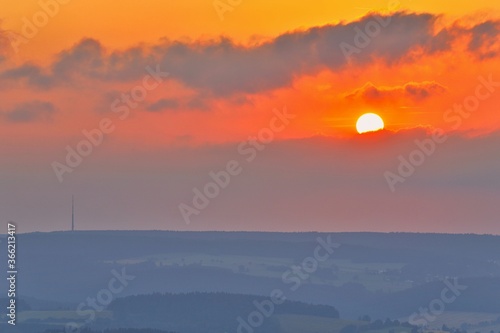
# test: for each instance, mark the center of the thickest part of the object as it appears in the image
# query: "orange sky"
(129, 24)
(227, 76)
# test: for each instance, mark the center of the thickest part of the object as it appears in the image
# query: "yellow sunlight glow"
(369, 122)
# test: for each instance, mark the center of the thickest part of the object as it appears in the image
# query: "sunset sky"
(205, 79)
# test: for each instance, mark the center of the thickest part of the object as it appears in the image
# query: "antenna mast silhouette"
(72, 213)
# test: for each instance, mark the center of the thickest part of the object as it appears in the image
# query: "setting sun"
(369, 122)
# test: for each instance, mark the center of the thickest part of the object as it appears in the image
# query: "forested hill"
(208, 312)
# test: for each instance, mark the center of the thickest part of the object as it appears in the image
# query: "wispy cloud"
(222, 67)
(34, 111)
(415, 91)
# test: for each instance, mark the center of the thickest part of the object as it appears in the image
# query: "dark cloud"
(86, 57)
(224, 68)
(34, 111)
(163, 104)
(484, 40)
(198, 103)
(31, 74)
(416, 91)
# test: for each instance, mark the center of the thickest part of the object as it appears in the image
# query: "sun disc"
(369, 122)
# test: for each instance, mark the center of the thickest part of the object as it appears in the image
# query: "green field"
(455, 319)
(58, 315)
(311, 324)
(374, 276)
